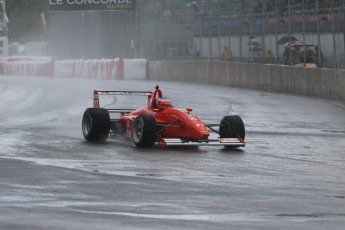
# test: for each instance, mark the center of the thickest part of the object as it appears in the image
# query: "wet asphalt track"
(289, 176)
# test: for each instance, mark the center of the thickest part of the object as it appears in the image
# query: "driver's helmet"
(163, 103)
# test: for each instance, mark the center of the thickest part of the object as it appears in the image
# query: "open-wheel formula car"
(158, 123)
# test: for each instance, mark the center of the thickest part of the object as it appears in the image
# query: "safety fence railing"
(200, 29)
(327, 62)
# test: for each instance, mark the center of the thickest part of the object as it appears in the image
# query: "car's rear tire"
(96, 124)
(232, 127)
(144, 131)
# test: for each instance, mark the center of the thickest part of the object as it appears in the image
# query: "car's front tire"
(96, 124)
(231, 127)
(144, 131)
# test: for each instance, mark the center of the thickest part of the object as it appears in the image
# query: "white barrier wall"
(326, 83)
(64, 68)
(135, 69)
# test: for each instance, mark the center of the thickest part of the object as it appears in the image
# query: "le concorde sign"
(90, 5)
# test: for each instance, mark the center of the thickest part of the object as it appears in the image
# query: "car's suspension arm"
(212, 125)
(170, 125)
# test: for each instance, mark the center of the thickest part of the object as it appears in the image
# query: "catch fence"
(253, 31)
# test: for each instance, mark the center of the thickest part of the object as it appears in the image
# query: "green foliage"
(25, 22)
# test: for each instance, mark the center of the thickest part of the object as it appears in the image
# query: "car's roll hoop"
(155, 94)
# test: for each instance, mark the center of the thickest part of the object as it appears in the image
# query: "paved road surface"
(289, 176)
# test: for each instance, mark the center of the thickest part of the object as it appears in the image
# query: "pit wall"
(325, 83)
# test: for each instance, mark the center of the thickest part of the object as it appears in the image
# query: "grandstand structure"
(251, 29)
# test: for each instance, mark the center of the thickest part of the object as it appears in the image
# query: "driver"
(163, 103)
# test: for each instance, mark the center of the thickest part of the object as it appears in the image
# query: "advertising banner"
(90, 5)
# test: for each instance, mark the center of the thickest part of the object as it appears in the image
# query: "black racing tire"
(232, 127)
(144, 131)
(96, 124)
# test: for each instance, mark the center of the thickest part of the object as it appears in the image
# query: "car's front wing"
(236, 142)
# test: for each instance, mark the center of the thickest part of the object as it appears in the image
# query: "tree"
(25, 21)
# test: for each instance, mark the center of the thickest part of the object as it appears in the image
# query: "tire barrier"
(324, 83)
(102, 69)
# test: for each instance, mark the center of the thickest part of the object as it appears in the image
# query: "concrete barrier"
(325, 83)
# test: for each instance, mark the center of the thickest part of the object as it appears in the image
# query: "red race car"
(158, 122)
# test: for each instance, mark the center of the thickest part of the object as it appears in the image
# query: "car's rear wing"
(96, 94)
